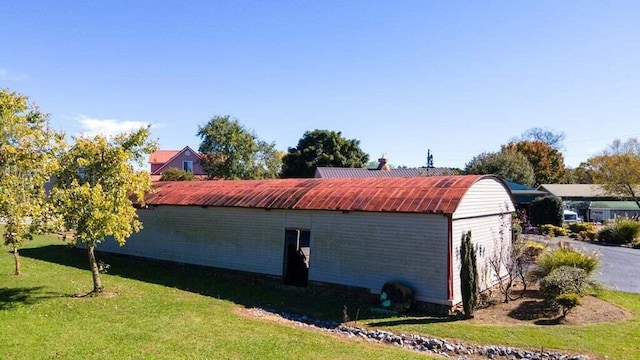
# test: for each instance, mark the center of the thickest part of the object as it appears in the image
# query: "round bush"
(546, 210)
(563, 280)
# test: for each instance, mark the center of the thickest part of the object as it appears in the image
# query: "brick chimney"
(382, 164)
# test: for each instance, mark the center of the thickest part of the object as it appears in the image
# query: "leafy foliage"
(546, 210)
(95, 188)
(230, 151)
(28, 149)
(620, 231)
(508, 163)
(617, 169)
(567, 302)
(468, 275)
(563, 256)
(322, 148)
(579, 175)
(175, 174)
(563, 280)
(552, 230)
(576, 227)
(547, 162)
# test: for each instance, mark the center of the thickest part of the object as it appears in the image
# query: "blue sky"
(456, 77)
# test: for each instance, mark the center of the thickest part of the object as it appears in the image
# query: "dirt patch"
(531, 310)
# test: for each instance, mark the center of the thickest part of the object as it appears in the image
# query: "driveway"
(619, 266)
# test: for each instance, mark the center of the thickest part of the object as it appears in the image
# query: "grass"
(615, 341)
(160, 312)
(172, 312)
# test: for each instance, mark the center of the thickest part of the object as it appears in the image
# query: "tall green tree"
(617, 169)
(582, 174)
(508, 163)
(28, 149)
(547, 162)
(96, 187)
(322, 148)
(230, 151)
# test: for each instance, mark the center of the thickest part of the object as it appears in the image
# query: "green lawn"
(172, 312)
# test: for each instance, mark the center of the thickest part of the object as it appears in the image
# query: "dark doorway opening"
(296, 257)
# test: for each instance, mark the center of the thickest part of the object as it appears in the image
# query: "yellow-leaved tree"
(97, 187)
(28, 150)
(617, 169)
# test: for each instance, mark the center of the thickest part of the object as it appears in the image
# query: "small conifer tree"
(468, 276)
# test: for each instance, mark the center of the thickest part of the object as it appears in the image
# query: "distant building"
(592, 202)
(383, 170)
(186, 159)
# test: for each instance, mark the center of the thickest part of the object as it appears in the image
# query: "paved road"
(619, 266)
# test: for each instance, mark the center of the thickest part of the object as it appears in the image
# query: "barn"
(353, 232)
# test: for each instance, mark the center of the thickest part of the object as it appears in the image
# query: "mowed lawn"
(170, 312)
(159, 313)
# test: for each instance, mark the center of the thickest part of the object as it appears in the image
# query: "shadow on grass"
(12, 297)
(415, 321)
(249, 290)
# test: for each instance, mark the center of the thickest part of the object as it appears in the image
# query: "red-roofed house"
(185, 159)
(359, 233)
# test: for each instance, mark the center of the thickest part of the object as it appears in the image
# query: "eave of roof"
(437, 194)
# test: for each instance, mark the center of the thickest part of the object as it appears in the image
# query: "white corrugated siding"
(231, 238)
(487, 196)
(485, 210)
(355, 249)
(487, 233)
(369, 249)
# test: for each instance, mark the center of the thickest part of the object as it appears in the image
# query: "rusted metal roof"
(434, 194)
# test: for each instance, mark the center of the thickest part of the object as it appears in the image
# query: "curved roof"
(434, 194)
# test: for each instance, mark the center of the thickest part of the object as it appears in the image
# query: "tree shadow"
(416, 321)
(246, 289)
(533, 310)
(12, 297)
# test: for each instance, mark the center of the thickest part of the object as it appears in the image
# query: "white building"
(355, 232)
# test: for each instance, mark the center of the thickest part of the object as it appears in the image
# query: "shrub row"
(620, 231)
(552, 230)
(578, 227)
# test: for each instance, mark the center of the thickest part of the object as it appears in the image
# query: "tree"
(96, 187)
(579, 175)
(230, 151)
(508, 163)
(468, 275)
(175, 174)
(545, 135)
(617, 169)
(322, 148)
(547, 162)
(546, 210)
(28, 149)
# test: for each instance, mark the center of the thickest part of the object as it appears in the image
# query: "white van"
(570, 216)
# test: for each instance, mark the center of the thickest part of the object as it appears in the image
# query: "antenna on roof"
(429, 159)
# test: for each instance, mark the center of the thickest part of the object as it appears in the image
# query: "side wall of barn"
(359, 249)
(486, 211)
